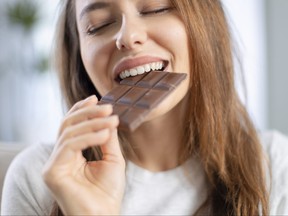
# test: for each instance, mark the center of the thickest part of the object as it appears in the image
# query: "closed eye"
(98, 29)
(157, 11)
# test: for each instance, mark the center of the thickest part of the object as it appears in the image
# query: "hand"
(82, 187)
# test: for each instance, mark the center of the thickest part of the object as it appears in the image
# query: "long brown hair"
(218, 128)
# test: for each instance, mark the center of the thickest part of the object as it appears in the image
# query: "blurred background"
(30, 101)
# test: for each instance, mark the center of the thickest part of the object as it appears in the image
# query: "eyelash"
(157, 11)
(93, 31)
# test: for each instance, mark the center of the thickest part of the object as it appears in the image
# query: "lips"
(134, 66)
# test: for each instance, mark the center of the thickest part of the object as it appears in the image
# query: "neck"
(158, 143)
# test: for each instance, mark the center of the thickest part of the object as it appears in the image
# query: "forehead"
(85, 6)
(104, 3)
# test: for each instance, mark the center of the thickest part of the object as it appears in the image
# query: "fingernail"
(106, 106)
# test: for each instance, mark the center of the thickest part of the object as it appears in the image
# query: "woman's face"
(118, 36)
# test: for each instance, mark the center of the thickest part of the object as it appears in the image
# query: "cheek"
(95, 56)
(176, 39)
(173, 36)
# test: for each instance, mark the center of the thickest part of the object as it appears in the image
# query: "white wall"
(277, 58)
(30, 107)
(247, 20)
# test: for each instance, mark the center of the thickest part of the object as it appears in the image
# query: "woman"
(197, 153)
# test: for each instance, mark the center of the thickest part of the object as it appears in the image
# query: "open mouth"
(146, 68)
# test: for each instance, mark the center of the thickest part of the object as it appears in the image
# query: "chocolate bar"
(136, 96)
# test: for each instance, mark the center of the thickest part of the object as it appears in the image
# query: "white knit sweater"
(179, 191)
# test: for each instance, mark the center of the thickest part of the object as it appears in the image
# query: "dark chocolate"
(136, 96)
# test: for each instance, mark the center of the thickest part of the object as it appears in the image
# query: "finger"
(85, 114)
(92, 100)
(89, 126)
(90, 113)
(112, 150)
(79, 143)
(71, 151)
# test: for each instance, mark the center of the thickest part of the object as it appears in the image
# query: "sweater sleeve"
(24, 191)
(276, 146)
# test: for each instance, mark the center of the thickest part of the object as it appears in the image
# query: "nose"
(131, 35)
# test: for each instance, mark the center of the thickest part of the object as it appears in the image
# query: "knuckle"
(77, 105)
(65, 145)
(64, 134)
(103, 136)
(66, 120)
(98, 124)
(64, 124)
(60, 140)
(67, 133)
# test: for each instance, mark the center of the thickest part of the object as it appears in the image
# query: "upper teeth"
(141, 69)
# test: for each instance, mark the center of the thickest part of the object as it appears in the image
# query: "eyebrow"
(92, 7)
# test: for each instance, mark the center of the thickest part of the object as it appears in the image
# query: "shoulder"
(30, 161)
(275, 145)
(271, 138)
(24, 190)
(34, 154)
